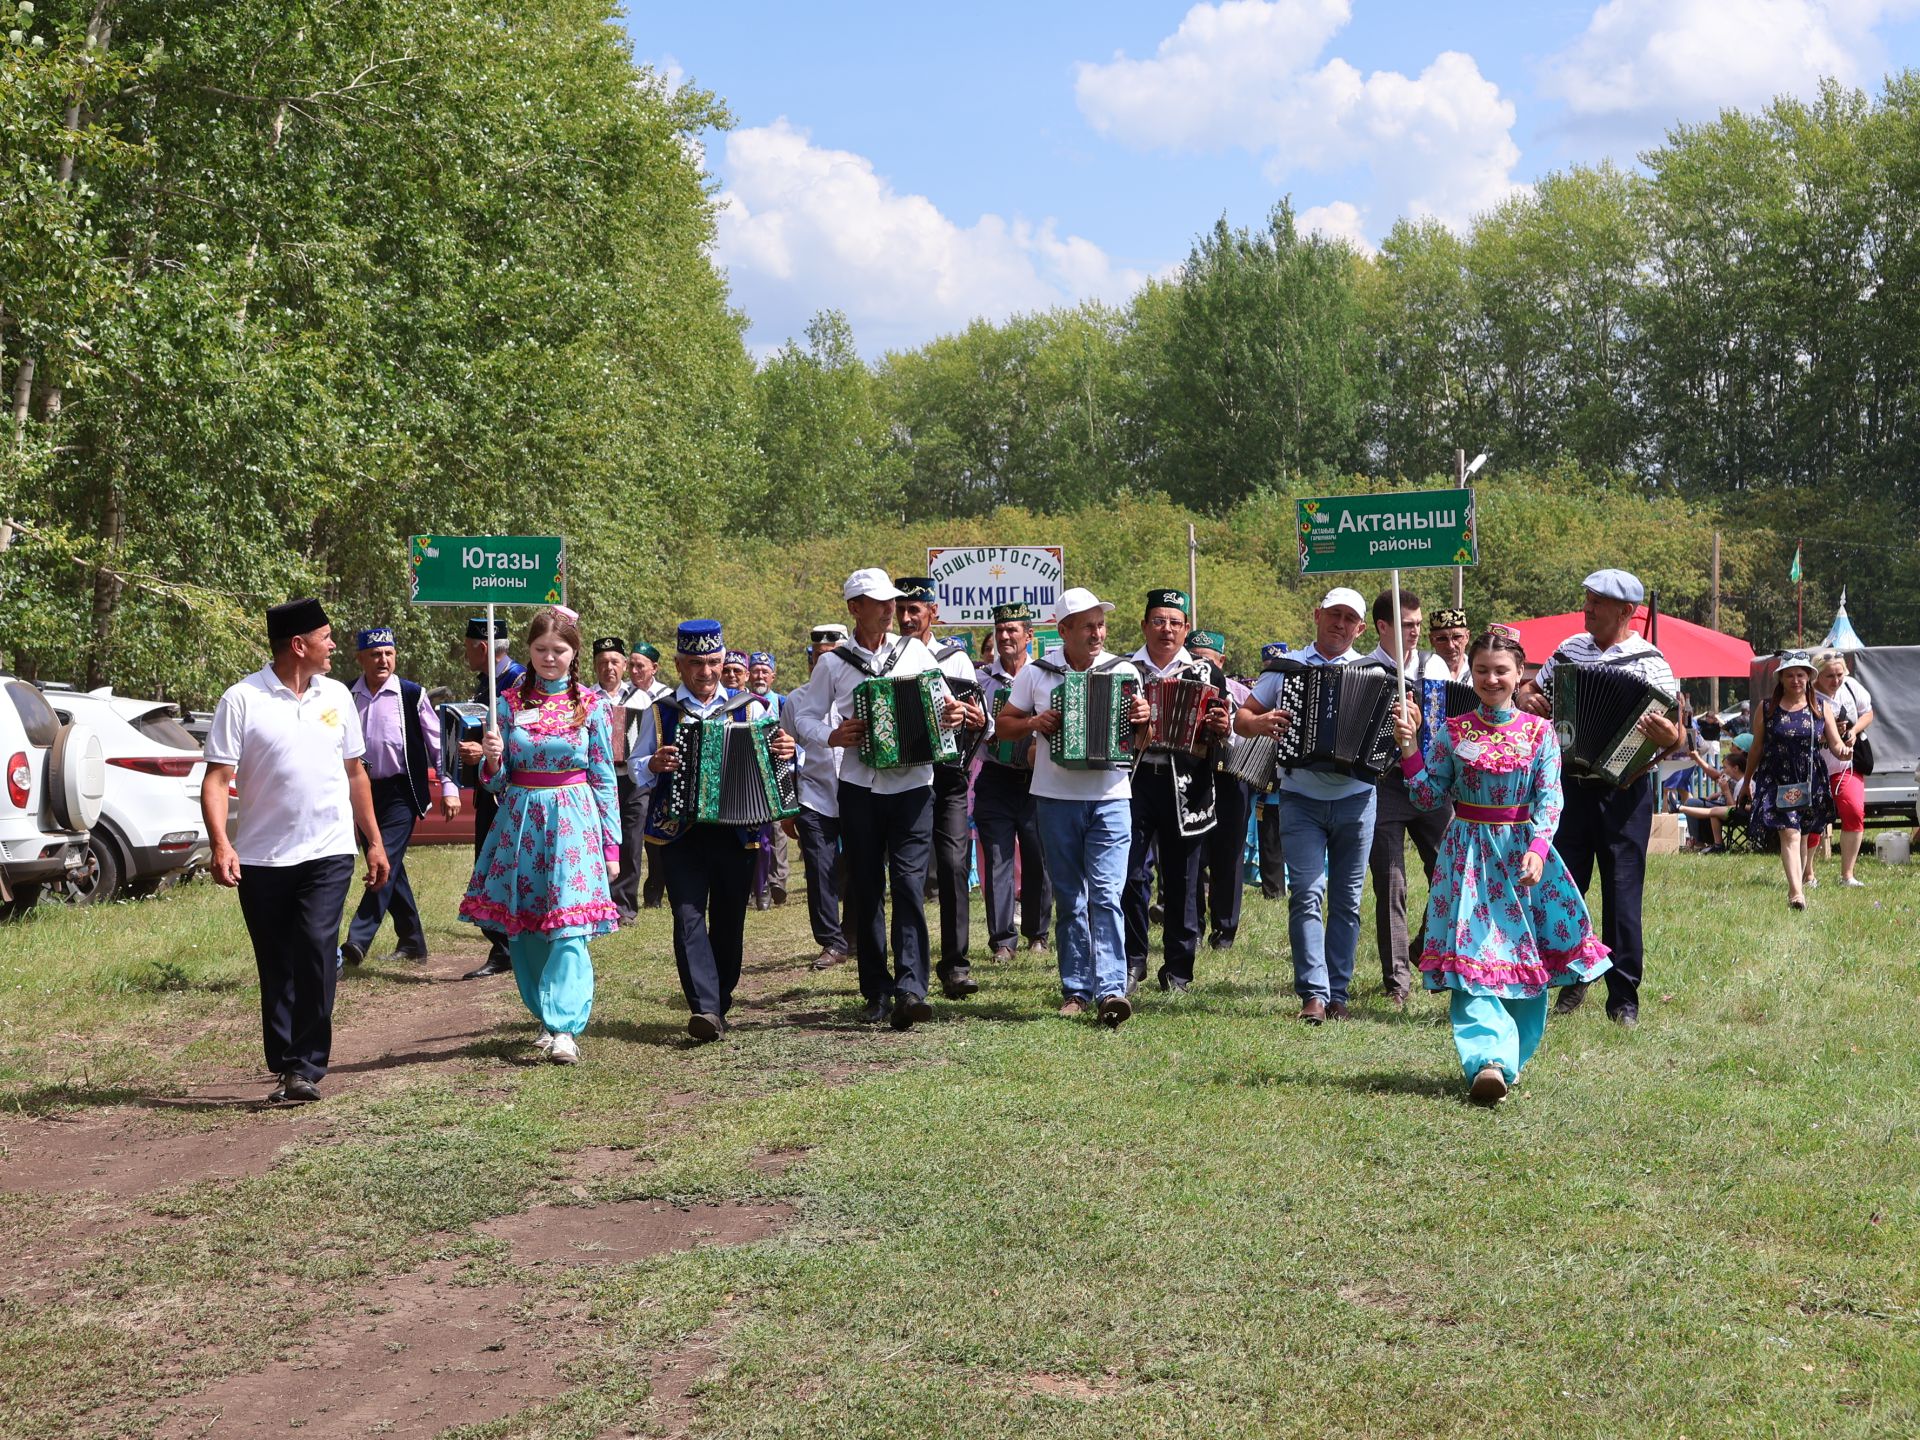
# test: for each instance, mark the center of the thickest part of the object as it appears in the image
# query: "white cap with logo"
(1341, 595)
(869, 584)
(1076, 600)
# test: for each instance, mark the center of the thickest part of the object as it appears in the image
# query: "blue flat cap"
(1616, 585)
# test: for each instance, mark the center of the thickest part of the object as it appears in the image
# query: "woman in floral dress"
(1504, 920)
(1791, 794)
(542, 874)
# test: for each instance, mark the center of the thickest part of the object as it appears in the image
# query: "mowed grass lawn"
(1212, 1223)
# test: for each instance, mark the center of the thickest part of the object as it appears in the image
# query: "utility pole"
(1459, 483)
(1714, 617)
(1193, 577)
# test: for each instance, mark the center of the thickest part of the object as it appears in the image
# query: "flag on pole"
(1794, 573)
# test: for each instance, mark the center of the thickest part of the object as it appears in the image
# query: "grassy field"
(1212, 1223)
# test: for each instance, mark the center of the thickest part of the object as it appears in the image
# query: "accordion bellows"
(1342, 718)
(1597, 710)
(1177, 709)
(1094, 733)
(902, 716)
(728, 775)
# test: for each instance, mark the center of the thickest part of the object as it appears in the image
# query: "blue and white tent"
(1842, 636)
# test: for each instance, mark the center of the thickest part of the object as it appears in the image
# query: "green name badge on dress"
(902, 716)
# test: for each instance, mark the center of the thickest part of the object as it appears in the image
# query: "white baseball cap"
(1076, 600)
(1341, 595)
(870, 584)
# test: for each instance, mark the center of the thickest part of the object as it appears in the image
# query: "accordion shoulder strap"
(867, 667)
(952, 648)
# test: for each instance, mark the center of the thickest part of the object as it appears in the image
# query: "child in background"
(1504, 921)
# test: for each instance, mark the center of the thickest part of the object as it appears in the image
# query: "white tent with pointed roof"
(1842, 636)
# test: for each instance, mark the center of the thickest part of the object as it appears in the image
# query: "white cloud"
(804, 229)
(1241, 74)
(1642, 65)
(1341, 220)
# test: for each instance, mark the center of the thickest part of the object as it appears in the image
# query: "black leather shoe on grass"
(957, 982)
(1571, 998)
(703, 1027)
(489, 969)
(910, 1010)
(874, 1012)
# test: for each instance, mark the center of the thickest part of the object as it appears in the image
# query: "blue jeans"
(1086, 844)
(1326, 843)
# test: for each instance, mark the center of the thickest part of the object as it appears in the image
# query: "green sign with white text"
(1397, 530)
(487, 569)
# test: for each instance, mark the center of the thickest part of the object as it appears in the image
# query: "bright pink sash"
(1492, 814)
(546, 779)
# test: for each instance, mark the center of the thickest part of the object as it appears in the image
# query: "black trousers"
(655, 886)
(485, 807)
(1156, 835)
(1396, 819)
(709, 875)
(888, 840)
(1612, 827)
(1223, 855)
(625, 889)
(1273, 855)
(826, 872)
(1006, 814)
(393, 810)
(952, 839)
(293, 918)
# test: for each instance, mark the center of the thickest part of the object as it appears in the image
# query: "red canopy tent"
(1694, 651)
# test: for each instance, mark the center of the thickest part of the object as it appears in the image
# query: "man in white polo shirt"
(1085, 816)
(289, 738)
(1326, 824)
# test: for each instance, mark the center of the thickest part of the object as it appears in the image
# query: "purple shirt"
(386, 737)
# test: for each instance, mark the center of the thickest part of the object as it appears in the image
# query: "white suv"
(150, 831)
(54, 776)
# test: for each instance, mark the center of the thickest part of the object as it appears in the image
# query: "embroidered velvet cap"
(1170, 600)
(761, 657)
(609, 644)
(1207, 640)
(1616, 585)
(374, 638)
(1448, 619)
(1014, 610)
(477, 627)
(737, 657)
(643, 648)
(296, 617)
(917, 587)
(1272, 651)
(1505, 632)
(698, 637)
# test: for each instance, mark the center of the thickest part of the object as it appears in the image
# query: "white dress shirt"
(289, 754)
(833, 683)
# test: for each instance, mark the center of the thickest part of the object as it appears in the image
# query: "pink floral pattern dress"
(1486, 933)
(543, 866)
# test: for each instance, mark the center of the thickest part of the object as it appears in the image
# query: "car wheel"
(96, 881)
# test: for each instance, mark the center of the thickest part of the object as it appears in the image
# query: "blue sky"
(917, 166)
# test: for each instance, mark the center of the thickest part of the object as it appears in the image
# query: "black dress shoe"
(1222, 940)
(351, 954)
(1169, 981)
(704, 1027)
(1155, 914)
(910, 1010)
(957, 982)
(492, 967)
(874, 1012)
(1571, 998)
(407, 952)
(294, 1090)
(1627, 1017)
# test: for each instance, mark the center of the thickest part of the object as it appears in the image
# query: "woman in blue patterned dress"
(1504, 920)
(1792, 729)
(542, 874)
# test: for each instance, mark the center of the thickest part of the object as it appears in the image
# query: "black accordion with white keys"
(728, 775)
(1342, 718)
(458, 722)
(1597, 710)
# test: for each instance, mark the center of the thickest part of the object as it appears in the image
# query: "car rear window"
(161, 727)
(36, 715)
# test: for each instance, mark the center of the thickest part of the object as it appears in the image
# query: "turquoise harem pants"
(1491, 1031)
(555, 979)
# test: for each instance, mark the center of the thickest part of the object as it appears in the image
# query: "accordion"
(1252, 758)
(1441, 701)
(902, 716)
(1342, 718)
(727, 776)
(1597, 710)
(1177, 710)
(1015, 753)
(1095, 732)
(459, 723)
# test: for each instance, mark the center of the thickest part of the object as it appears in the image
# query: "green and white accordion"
(1015, 754)
(902, 716)
(1095, 732)
(728, 775)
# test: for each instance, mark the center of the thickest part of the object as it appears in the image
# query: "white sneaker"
(1853, 884)
(1813, 882)
(564, 1051)
(544, 1043)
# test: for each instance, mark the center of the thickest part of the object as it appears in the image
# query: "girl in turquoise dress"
(1504, 920)
(541, 875)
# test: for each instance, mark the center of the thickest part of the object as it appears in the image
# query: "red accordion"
(1178, 713)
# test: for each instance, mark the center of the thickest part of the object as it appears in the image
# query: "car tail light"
(179, 839)
(155, 765)
(19, 780)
